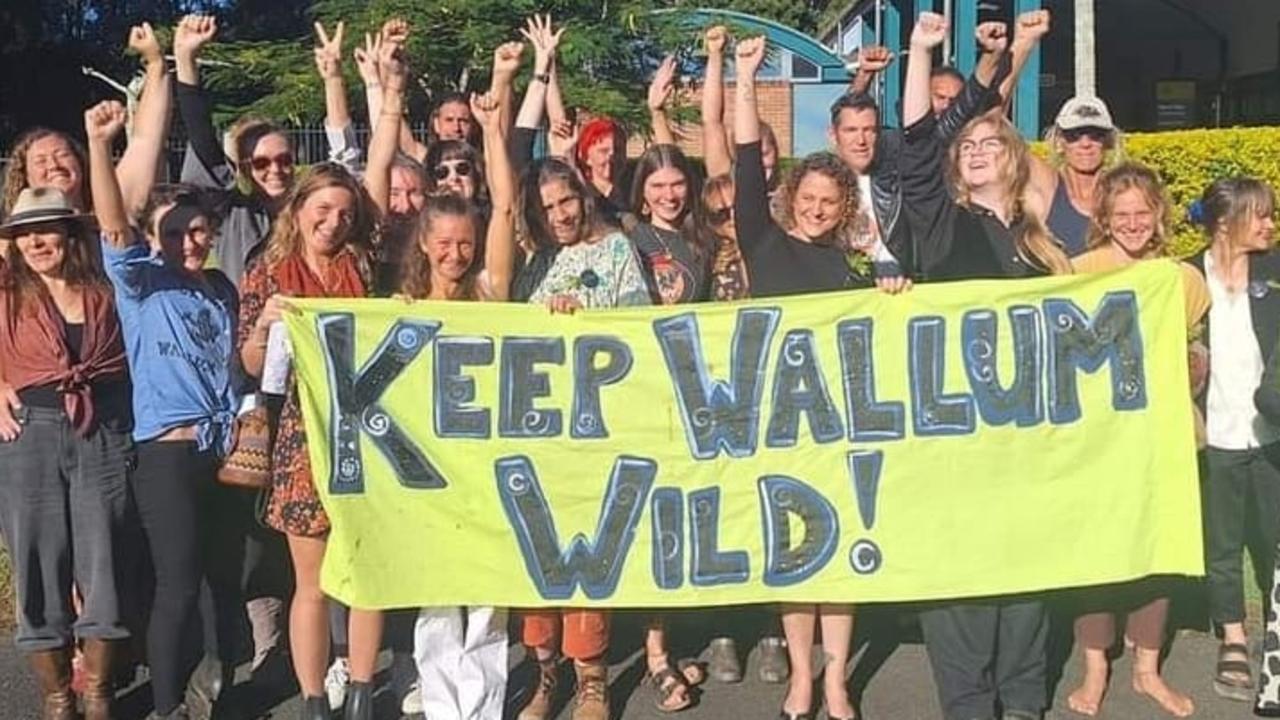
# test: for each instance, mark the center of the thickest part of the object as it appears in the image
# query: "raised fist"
(506, 58)
(484, 107)
(716, 37)
(142, 40)
(749, 55)
(874, 58)
(929, 32)
(1031, 26)
(193, 33)
(104, 121)
(993, 37)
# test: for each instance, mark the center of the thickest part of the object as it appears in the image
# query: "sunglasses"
(720, 216)
(1098, 135)
(262, 162)
(461, 168)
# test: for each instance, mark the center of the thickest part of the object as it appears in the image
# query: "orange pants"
(584, 633)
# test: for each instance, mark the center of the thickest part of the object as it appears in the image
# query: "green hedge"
(1189, 160)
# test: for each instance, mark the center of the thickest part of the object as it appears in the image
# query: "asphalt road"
(890, 681)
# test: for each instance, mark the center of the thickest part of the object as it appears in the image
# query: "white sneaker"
(336, 681)
(412, 703)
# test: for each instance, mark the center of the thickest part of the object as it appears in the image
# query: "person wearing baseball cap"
(1082, 140)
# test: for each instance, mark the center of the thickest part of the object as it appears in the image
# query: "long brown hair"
(15, 176)
(286, 238)
(693, 224)
(81, 266)
(1035, 244)
(415, 277)
(1122, 178)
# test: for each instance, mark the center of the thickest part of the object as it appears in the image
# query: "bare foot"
(1154, 687)
(1087, 699)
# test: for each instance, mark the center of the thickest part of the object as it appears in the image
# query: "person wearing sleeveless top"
(1084, 141)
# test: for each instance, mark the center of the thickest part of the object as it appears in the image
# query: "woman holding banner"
(1130, 224)
(989, 651)
(579, 261)
(320, 247)
(461, 653)
(820, 249)
(1241, 494)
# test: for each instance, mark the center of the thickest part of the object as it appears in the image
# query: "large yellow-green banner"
(958, 440)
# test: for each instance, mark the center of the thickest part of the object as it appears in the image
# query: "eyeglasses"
(1098, 135)
(262, 162)
(461, 168)
(720, 216)
(990, 145)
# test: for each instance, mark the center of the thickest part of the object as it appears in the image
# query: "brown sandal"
(666, 684)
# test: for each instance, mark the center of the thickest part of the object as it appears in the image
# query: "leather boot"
(315, 708)
(53, 672)
(544, 691)
(98, 691)
(359, 701)
(592, 695)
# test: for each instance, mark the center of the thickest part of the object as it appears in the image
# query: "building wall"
(1253, 31)
(774, 101)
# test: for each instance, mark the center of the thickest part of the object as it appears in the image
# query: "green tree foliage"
(606, 58)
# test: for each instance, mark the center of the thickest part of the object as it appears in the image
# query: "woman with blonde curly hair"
(987, 231)
(1130, 224)
(821, 246)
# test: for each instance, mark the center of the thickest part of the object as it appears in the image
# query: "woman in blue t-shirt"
(178, 323)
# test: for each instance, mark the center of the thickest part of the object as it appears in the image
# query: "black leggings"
(194, 529)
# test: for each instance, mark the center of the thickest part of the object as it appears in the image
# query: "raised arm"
(189, 38)
(1029, 29)
(500, 246)
(751, 196)
(715, 137)
(872, 60)
(137, 168)
(366, 57)
(337, 118)
(394, 72)
(660, 92)
(102, 123)
(929, 210)
(929, 31)
(746, 119)
(506, 63)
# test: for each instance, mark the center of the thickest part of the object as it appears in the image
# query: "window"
(802, 69)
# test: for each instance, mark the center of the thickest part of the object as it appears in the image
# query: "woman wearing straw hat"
(65, 452)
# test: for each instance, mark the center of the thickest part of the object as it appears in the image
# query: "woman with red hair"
(600, 155)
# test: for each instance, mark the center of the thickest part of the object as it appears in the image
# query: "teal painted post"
(892, 38)
(1026, 101)
(965, 22)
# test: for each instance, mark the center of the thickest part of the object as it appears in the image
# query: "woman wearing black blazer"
(1242, 459)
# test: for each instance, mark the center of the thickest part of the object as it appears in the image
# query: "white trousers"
(461, 653)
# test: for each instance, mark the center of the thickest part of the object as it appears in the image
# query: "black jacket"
(1264, 309)
(887, 171)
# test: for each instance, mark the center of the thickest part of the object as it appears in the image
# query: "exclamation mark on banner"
(864, 470)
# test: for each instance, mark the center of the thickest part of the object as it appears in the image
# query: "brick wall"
(774, 101)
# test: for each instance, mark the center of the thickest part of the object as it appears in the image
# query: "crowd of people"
(135, 320)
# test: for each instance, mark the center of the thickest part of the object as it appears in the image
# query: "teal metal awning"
(831, 67)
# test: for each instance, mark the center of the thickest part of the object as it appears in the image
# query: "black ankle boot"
(359, 701)
(315, 708)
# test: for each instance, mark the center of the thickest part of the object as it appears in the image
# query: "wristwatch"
(544, 78)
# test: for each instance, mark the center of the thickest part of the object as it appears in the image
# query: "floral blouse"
(602, 274)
